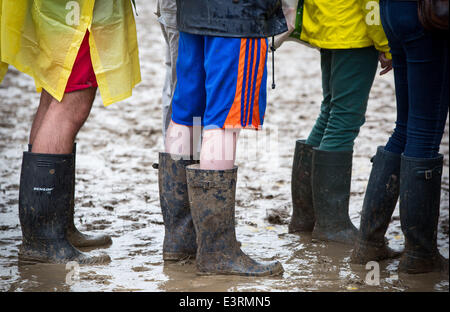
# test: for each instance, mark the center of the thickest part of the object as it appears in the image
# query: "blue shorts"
(221, 80)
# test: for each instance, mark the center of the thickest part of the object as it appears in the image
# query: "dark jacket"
(231, 18)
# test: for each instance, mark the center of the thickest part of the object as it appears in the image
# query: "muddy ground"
(117, 191)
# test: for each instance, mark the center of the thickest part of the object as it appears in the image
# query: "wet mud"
(117, 190)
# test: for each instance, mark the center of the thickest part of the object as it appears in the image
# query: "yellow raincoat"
(42, 37)
(343, 24)
(3, 66)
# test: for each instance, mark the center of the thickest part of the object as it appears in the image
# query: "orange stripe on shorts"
(246, 104)
(234, 115)
(262, 63)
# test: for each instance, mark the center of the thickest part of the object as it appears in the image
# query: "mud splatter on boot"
(44, 207)
(379, 203)
(75, 237)
(179, 237)
(420, 194)
(212, 199)
(331, 179)
(303, 218)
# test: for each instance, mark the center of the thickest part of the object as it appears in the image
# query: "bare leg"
(44, 103)
(219, 149)
(179, 139)
(62, 121)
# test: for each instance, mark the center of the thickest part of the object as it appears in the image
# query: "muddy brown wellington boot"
(179, 238)
(379, 203)
(45, 196)
(331, 180)
(77, 238)
(212, 199)
(420, 199)
(303, 218)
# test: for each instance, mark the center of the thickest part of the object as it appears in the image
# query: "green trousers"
(347, 77)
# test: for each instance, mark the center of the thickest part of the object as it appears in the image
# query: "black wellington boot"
(179, 238)
(420, 194)
(379, 203)
(77, 238)
(44, 206)
(303, 218)
(212, 199)
(331, 180)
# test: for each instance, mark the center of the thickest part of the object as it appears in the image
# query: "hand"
(290, 14)
(386, 64)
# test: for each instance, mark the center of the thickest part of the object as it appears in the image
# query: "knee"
(73, 113)
(81, 112)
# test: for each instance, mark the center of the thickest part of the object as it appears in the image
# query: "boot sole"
(424, 267)
(91, 243)
(27, 258)
(359, 255)
(300, 229)
(177, 256)
(280, 271)
(327, 239)
(30, 260)
(349, 240)
(241, 274)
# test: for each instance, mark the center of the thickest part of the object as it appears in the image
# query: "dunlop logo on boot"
(44, 163)
(47, 190)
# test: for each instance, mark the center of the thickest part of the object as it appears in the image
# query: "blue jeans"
(421, 71)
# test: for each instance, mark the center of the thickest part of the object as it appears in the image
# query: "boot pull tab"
(209, 185)
(272, 48)
(428, 173)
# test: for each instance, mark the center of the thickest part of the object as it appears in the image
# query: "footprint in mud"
(143, 252)
(128, 218)
(279, 216)
(141, 245)
(108, 207)
(97, 225)
(140, 269)
(93, 276)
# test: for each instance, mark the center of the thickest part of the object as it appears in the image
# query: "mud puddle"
(117, 191)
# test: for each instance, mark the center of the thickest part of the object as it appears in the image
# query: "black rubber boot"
(212, 199)
(379, 203)
(77, 238)
(303, 218)
(179, 238)
(44, 206)
(331, 180)
(420, 194)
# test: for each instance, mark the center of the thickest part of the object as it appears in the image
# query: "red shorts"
(82, 76)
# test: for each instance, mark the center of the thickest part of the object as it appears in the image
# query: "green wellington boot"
(45, 195)
(379, 203)
(212, 199)
(303, 218)
(179, 238)
(77, 238)
(331, 179)
(420, 199)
